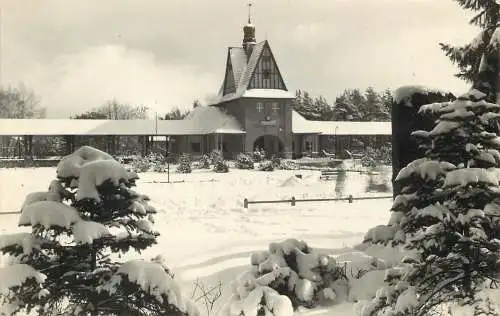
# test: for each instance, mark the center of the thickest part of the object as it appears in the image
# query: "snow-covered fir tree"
(480, 57)
(69, 264)
(446, 213)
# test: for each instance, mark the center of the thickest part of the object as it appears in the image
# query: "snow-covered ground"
(206, 232)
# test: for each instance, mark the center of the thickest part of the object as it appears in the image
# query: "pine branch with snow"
(482, 51)
(88, 218)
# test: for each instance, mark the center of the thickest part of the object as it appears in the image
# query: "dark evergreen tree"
(70, 263)
(481, 55)
(387, 101)
(374, 109)
(359, 103)
(446, 213)
(322, 110)
(344, 109)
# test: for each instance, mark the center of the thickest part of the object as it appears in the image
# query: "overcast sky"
(166, 53)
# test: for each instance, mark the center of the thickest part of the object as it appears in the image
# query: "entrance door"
(271, 144)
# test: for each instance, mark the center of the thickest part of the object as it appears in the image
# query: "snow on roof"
(202, 120)
(238, 61)
(405, 92)
(268, 93)
(206, 122)
(302, 126)
(209, 119)
(48, 214)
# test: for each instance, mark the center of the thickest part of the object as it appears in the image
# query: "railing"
(293, 200)
(9, 213)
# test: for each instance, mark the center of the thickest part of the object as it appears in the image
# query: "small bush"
(159, 167)
(216, 155)
(204, 162)
(266, 166)
(287, 165)
(244, 161)
(184, 164)
(290, 272)
(140, 164)
(258, 156)
(221, 166)
(373, 156)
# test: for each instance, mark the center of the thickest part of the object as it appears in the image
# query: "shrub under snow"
(244, 161)
(184, 164)
(290, 274)
(220, 166)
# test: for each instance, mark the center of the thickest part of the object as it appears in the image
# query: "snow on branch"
(425, 169)
(17, 274)
(25, 240)
(69, 166)
(467, 176)
(48, 214)
(153, 279)
(95, 173)
(85, 232)
(55, 193)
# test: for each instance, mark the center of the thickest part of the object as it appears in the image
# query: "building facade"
(254, 92)
(253, 110)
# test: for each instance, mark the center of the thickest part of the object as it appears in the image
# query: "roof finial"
(249, 12)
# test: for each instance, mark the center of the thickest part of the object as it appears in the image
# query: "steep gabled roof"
(243, 68)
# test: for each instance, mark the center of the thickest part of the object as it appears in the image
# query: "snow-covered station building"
(253, 109)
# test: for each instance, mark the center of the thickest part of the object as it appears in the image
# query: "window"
(276, 107)
(195, 147)
(260, 106)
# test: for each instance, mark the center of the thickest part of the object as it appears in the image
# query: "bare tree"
(20, 102)
(114, 110)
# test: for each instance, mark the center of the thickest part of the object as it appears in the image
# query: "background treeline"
(351, 105)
